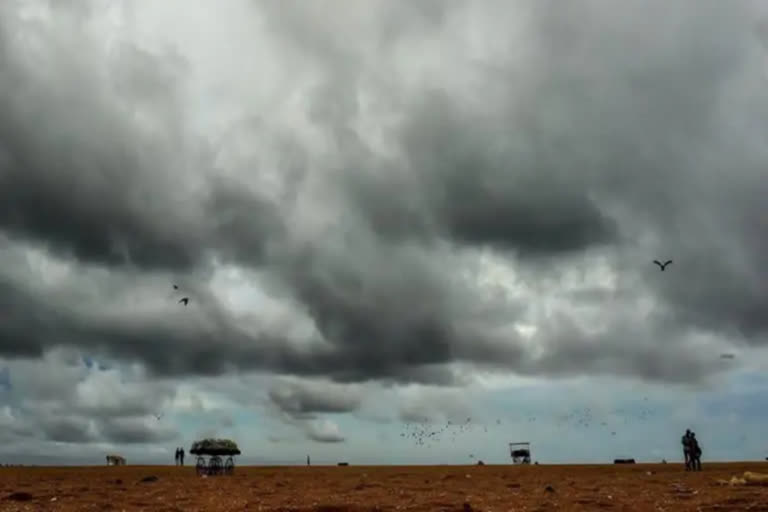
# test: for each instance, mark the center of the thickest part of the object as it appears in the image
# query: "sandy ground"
(322, 488)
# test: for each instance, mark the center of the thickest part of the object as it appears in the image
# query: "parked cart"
(215, 450)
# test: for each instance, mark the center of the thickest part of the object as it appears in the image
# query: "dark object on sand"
(520, 452)
(623, 461)
(150, 478)
(480, 463)
(343, 464)
(19, 496)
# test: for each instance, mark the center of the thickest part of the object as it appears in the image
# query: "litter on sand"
(749, 478)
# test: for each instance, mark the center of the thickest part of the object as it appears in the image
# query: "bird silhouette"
(175, 287)
(158, 416)
(661, 265)
(185, 300)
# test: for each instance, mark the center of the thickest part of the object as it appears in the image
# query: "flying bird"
(158, 416)
(185, 300)
(661, 265)
(175, 287)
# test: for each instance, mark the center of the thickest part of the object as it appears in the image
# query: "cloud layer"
(407, 194)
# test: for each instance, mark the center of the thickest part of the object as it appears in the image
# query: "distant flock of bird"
(426, 433)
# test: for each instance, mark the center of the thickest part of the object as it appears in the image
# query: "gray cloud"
(460, 187)
(80, 176)
(131, 431)
(430, 406)
(323, 432)
(5, 379)
(67, 429)
(304, 399)
(593, 139)
(52, 401)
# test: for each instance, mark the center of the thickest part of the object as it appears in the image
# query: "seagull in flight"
(184, 300)
(661, 265)
(175, 287)
(158, 416)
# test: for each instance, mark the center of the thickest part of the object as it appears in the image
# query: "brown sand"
(320, 488)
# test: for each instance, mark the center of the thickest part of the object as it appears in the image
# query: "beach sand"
(656, 487)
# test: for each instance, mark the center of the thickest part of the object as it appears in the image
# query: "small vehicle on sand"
(520, 452)
(215, 449)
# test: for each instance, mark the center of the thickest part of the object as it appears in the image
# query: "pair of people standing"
(691, 451)
(179, 456)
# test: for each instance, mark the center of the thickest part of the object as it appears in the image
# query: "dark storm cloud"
(641, 139)
(19, 313)
(72, 172)
(77, 175)
(304, 399)
(643, 148)
(460, 188)
(603, 138)
(393, 311)
(687, 163)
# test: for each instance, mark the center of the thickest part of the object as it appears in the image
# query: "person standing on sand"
(176, 456)
(695, 453)
(686, 441)
(181, 455)
(307, 460)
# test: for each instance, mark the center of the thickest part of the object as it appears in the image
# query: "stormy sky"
(382, 213)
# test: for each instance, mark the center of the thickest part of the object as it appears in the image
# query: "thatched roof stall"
(215, 447)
